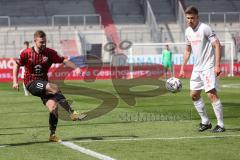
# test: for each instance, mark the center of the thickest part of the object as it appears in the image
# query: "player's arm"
(163, 57)
(70, 64)
(15, 76)
(55, 58)
(217, 47)
(187, 53)
(209, 33)
(16, 65)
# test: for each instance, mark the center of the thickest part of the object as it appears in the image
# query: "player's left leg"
(210, 85)
(60, 98)
(217, 107)
(25, 90)
(24, 87)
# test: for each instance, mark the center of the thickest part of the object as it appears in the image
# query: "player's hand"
(217, 70)
(182, 73)
(15, 86)
(77, 71)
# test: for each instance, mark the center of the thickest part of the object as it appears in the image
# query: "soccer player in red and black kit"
(37, 60)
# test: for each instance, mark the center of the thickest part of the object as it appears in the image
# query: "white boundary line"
(86, 151)
(3, 146)
(237, 85)
(160, 138)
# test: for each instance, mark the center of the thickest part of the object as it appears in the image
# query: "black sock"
(53, 121)
(59, 96)
(63, 102)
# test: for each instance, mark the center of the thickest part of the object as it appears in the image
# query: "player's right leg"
(211, 86)
(60, 98)
(200, 107)
(165, 69)
(53, 119)
(218, 110)
(196, 85)
(172, 70)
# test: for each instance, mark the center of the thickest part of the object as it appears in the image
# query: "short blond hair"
(191, 10)
(40, 34)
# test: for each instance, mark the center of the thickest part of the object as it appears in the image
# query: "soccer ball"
(173, 85)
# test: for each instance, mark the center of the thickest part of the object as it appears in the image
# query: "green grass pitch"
(156, 128)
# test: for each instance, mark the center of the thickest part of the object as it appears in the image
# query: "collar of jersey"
(196, 28)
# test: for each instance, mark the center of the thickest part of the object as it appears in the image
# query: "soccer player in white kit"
(206, 49)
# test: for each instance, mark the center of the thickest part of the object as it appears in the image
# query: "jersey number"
(39, 85)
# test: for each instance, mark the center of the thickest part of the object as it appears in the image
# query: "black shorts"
(38, 88)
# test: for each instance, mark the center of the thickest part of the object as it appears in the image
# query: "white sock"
(217, 107)
(200, 107)
(25, 90)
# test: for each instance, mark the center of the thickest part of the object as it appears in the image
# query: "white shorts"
(206, 80)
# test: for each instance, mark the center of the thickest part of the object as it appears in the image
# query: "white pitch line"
(86, 151)
(160, 138)
(3, 146)
(231, 85)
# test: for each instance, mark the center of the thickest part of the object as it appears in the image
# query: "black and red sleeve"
(55, 58)
(21, 61)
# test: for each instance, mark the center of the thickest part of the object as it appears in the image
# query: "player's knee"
(194, 96)
(52, 88)
(212, 96)
(51, 105)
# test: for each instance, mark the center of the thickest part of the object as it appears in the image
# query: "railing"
(76, 20)
(135, 35)
(150, 20)
(7, 18)
(179, 14)
(224, 17)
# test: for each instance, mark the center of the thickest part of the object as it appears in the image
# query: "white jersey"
(200, 40)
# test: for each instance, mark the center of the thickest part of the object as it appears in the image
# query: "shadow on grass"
(64, 125)
(231, 105)
(71, 139)
(233, 129)
(9, 134)
(101, 137)
(26, 112)
(24, 143)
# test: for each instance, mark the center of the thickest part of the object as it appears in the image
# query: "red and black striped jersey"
(37, 64)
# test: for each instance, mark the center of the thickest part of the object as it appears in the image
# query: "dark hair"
(191, 10)
(40, 34)
(26, 43)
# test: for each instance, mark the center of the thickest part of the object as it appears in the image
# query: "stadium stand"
(41, 12)
(107, 21)
(227, 8)
(126, 11)
(213, 5)
(235, 4)
(163, 11)
(69, 47)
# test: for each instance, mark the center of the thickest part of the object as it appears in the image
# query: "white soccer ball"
(173, 85)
